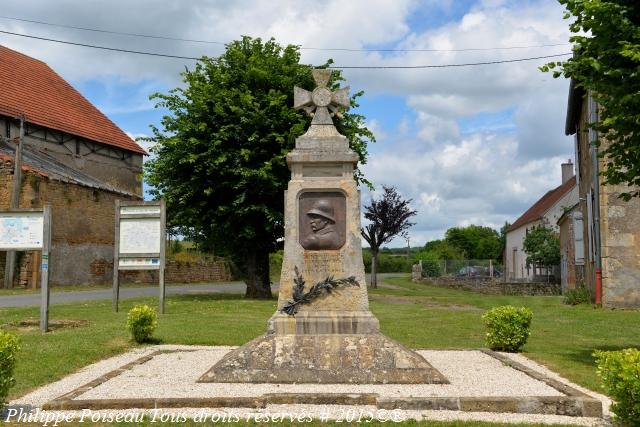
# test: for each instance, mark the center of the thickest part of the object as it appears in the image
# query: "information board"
(21, 230)
(125, 263)
(139, 244)
(140, 235)
(140, 210)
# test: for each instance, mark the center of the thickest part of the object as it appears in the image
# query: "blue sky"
(469, 145)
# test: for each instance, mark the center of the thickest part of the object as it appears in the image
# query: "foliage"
(431, 268)
(9, 347)
(275, 263)
(508, 327)
(606, 62)
(388, 217)
(503, 237)
(220, 159)
(475, 241)
(323, 287)
(542, 246)
(386, 263)
(441, 249)
(577, 295)
(142, 322)
(620, 374)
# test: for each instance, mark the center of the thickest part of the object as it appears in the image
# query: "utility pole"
(15, 203)
(408, 239)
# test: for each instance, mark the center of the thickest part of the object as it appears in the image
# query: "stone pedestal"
(334, 338)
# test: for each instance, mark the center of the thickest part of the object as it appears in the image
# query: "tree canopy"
(220, 158)
(542, 246)
(475, 241)
(606, 62)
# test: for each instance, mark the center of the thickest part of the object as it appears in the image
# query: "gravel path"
(472, 373)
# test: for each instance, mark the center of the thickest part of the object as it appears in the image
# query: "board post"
(44, 265)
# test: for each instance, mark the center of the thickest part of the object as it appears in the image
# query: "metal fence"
(480, 268)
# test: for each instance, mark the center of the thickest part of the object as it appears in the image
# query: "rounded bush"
(142, 321)
(507, 327)
(620, 374)
(9, 347)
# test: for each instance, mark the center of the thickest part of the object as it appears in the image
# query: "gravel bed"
(472, 373)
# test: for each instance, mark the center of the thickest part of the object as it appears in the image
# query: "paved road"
(125, 293)
(30, 300)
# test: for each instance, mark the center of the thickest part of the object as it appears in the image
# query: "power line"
(150, 36)
(371, 67)
(468, 64)
(100, 47)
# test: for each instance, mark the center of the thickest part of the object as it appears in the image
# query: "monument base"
(324, 348)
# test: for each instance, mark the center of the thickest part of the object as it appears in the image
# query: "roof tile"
(31, 88)
(539, 208)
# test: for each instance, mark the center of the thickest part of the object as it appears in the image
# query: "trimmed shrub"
(620, 374)
(579, 295)
(431, 268)
(507, 327)
(142, 321)
(9, 347)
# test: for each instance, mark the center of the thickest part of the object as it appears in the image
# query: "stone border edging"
(575, 403)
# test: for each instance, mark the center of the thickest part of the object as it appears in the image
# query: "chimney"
(567, 171)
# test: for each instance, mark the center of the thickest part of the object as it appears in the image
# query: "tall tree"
(220, 158)
(389, 217)
(606, 61)
(476, 241)
(542, 246)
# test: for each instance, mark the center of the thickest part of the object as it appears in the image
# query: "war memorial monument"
(323, 331)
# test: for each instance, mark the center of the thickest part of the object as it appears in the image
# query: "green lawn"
(418, 315)
(562, 337)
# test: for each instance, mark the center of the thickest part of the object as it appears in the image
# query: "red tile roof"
(540, 207)
(28, 86)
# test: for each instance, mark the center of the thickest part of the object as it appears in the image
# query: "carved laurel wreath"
(325, 286)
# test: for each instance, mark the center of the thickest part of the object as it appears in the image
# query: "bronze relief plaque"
(322, 218)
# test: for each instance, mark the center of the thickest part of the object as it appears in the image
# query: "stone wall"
(83, 225)
(494, 287)
(203, 270)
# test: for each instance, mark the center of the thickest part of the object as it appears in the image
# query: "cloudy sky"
(469, 145)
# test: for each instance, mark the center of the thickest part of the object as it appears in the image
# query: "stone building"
(610, 225)
(571, 249)
(74, 158)
(546, 211)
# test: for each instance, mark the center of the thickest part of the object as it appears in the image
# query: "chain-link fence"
(476, 268)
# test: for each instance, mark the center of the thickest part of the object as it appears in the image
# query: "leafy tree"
(542, 246)
(441, 249)
(475, 241)
(606, 61)
(389, 217)
(503, 237)
(220, 159)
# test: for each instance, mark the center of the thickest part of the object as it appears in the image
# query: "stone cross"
(322, 103)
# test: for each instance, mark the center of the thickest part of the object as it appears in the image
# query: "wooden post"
(163, 244)
(10, 262)
(116, 260)
(44, 291)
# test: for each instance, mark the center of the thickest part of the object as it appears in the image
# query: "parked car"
(470, 271)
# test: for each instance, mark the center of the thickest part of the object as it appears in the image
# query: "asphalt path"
(63, 297)
(32, 300)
